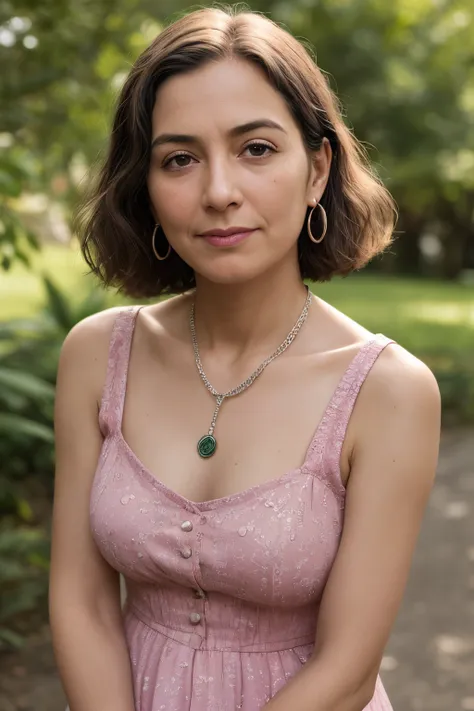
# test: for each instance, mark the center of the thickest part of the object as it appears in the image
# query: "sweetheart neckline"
(210, 504)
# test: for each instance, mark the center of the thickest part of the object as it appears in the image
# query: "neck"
(249, 318)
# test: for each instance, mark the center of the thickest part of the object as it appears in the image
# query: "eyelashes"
(182, 154)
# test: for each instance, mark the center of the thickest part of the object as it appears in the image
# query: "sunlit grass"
(444, 313)
(433, 317)
(21, 290)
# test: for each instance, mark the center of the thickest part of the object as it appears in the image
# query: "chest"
(261, 434)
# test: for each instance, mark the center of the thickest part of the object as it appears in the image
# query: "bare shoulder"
(84, 353)
(89, 336)
(398, 379)
(98, 325)
(398, 414)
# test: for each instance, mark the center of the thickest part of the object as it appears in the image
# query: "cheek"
(285, 196)
(288, 179)
(173, 201)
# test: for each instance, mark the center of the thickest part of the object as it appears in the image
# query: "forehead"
(223, 93)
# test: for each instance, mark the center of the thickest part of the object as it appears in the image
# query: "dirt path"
(429, 662)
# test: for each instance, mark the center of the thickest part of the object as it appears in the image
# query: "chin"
(231, 275)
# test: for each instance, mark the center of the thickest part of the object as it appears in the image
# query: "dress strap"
(113, 395)
(325, 452)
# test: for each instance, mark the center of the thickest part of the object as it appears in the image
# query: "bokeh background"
(404, 72)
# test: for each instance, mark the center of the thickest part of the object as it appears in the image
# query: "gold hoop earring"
(325, 224)
(154, 248)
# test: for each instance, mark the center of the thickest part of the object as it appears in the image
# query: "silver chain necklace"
(207, 444)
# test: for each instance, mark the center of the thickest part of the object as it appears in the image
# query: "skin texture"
(247, 300)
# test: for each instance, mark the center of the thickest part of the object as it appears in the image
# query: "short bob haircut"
(117, 222)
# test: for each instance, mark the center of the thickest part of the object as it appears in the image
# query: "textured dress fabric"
(222, 595)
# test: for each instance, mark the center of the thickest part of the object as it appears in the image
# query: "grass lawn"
(422, 315)
(21, 290)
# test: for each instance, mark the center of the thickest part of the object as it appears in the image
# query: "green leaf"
(12, 401)
(21, 541)
(26, 384)
(33, 240)
(24, 509)
(11, 424)
(58, 304)
(8, 185)
(11, 638)
(11, 570)
(6, 262)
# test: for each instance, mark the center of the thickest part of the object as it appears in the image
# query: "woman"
(208, 446)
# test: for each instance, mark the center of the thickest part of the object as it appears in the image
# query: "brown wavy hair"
(116, 223)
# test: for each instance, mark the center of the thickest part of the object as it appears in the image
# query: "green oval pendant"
(207, 446)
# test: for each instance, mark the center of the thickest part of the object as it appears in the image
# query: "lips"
(227, 240)
(227, 232)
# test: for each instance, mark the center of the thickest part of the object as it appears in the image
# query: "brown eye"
(180, 159)
(261, 149)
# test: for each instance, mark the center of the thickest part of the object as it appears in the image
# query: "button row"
(186, 552)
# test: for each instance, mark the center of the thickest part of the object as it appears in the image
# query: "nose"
(221, 187)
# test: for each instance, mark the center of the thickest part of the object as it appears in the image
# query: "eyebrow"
(233, 133)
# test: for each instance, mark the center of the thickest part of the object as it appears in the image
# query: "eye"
(177, 157)
(260, 146)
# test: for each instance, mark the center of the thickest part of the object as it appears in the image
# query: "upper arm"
(78, 573)
(394, 460)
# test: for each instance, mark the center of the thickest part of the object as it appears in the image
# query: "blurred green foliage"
(24, 564)
(404, 72)
(29, 353)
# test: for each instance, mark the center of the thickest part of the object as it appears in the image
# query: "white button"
(195, 618)
(186, 526)
(186, 552)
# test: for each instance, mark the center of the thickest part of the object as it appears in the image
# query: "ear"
(319, 171)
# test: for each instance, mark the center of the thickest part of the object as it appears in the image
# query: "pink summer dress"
(222, 595)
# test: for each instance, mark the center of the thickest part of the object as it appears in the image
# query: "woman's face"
(210, 169)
